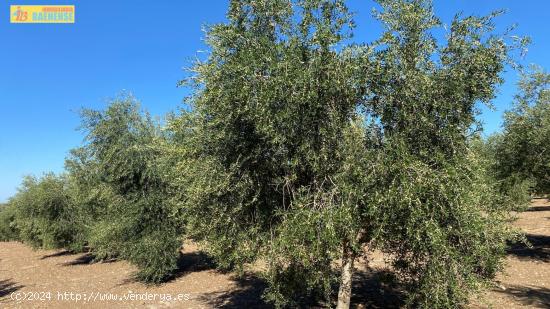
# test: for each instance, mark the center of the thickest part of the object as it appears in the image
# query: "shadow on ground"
(60, 253)
(538, 208)
(538, 248)
(86, 259)
(193, 261)
(370, 290)
(247, 294)
(248, 291)
(376, 289)
(538, 297)
(8, 286)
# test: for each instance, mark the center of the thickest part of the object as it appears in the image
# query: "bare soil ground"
(47, 278)
(525, 283)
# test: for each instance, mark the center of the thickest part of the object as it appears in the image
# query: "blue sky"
(49, 71)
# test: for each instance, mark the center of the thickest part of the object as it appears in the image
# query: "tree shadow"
(188, 262)
(247, 294)
(193, 261)
(538, 248)
(60, 253)
(86, 259)
(83, 259)
(376, 289)
(536, 296)
(8, 286)
(371, 289)
(538, 208)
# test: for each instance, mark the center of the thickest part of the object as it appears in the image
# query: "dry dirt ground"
(525, 282)
(58, 279)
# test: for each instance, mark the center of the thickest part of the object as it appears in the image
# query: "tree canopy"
(522, 149)
(305, 150)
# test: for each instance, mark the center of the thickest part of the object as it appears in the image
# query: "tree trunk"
(344, 294)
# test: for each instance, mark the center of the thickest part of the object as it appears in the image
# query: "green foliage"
(522, 150)
(272, 103)
(43, 212)
(114, 199)
(8, 229)
(301, 150)
(133, 217)
(319, 223)
(89, 194)
(438, 217)
(446, 229)
(513, 192)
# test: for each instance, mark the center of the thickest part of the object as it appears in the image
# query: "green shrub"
(511, 192)
(447, 229)
(44, 212)
(8, 228)
(522, 150)
(130, 204)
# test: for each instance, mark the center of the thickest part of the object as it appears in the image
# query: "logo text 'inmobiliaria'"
(44, 14)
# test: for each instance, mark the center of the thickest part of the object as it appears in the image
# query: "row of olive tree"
(113, 198)
(40, 213)
(301, 151)
(521, 152)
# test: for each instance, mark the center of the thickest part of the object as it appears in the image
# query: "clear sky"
(49, 71)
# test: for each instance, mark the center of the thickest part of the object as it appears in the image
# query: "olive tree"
(443, 228)
(305, 152)
(42, 213)
(8, 229)
(522, 150)
(120, 186)
(272, 105)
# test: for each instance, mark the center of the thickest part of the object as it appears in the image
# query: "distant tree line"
(521, 151)
(306, 152)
